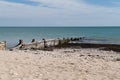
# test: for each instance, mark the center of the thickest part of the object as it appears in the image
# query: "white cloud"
(60, 3)
(8, 9)
(59, 12)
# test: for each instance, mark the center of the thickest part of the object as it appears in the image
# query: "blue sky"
(59, 12)
(93, 2)
(28, 2)
(107, 3)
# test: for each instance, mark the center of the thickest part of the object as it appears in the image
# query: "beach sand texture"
(60, 64)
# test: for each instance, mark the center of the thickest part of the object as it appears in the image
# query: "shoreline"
(26, 33)
(73, 41)
(60, 43)
(65, 43)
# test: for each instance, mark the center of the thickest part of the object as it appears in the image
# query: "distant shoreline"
(58, 26)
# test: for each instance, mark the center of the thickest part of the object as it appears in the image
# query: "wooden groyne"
(34, 45)
(61, 43)
(2, 45)
(43, 44)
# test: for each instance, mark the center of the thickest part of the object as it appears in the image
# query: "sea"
(103, 35)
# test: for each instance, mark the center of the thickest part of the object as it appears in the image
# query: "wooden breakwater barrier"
(34, 45)
(44, 44)
(62, 43)
(2, 45)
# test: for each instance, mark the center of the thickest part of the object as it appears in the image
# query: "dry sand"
(60, 64)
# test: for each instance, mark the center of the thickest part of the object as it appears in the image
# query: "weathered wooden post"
(59, 42)
(33, 40)
(68, 40)
(21, 42)
(54, 43)
(64, 41)
(71, 39)
(44, 41)
(81, 39)
(18, 46)
(3, 45)
(35, 43)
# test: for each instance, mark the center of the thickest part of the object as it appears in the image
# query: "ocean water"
(92, 34)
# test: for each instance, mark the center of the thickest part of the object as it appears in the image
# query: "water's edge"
(93, 34)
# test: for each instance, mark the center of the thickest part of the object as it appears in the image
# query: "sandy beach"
(60, 64)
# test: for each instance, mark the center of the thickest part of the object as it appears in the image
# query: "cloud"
(17, 10)
(58, 12)
(59, 3)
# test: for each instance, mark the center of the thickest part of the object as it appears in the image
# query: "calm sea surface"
(92, 34)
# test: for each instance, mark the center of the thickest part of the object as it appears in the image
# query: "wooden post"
(54, 43)
(5, 44)
(20, 42)
(33, 40)
(44, 41)
(68, 40)
(64, 41)
(59, 42)
(71, 39)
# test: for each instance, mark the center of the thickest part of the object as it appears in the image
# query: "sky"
(59, 12)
